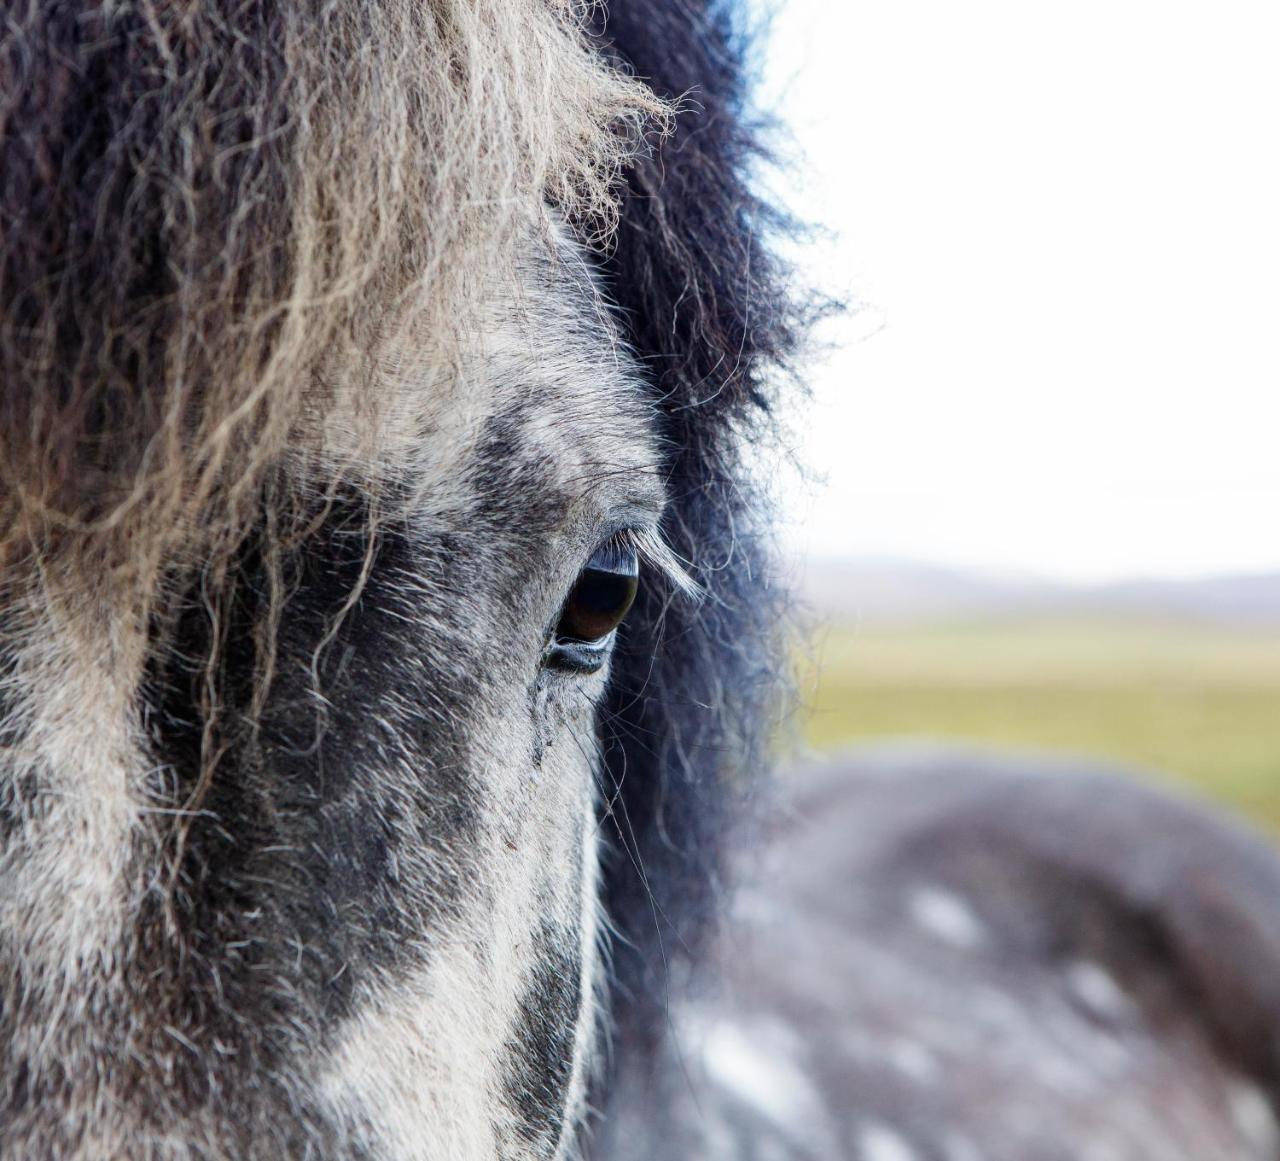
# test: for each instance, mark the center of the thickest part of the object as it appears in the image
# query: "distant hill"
(879, 590)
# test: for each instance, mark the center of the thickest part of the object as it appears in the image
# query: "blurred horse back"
(951, 955)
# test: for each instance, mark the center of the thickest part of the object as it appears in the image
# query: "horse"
(940, 953)
(362, 368)
(389, 642)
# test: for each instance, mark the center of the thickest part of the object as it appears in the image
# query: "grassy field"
(1199, 705)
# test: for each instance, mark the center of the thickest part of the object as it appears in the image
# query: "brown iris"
(600, 598)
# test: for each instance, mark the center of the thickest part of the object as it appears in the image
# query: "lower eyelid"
(579, 656)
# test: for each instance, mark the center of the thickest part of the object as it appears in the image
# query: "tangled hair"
(202, 200)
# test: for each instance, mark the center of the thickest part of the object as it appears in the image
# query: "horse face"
(379, 938)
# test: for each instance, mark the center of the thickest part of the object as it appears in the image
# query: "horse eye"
(602, 594)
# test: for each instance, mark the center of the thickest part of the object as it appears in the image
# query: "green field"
(1199, 705)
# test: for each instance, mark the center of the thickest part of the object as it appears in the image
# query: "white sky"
(1063, 221)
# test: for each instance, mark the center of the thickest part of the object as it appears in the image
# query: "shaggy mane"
(712, 313)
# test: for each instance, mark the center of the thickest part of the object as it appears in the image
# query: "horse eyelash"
(655, 553)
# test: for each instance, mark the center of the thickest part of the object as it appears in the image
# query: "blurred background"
(1042, 445)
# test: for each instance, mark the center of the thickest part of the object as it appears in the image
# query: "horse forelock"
(205, 204)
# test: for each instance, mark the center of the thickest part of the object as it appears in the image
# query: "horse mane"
(710, 310)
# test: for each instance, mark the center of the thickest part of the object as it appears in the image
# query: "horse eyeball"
(601, 596)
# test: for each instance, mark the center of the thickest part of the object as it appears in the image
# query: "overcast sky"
(1063, 224)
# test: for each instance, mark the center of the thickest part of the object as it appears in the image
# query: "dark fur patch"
(299, 877)
(541, 1049)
